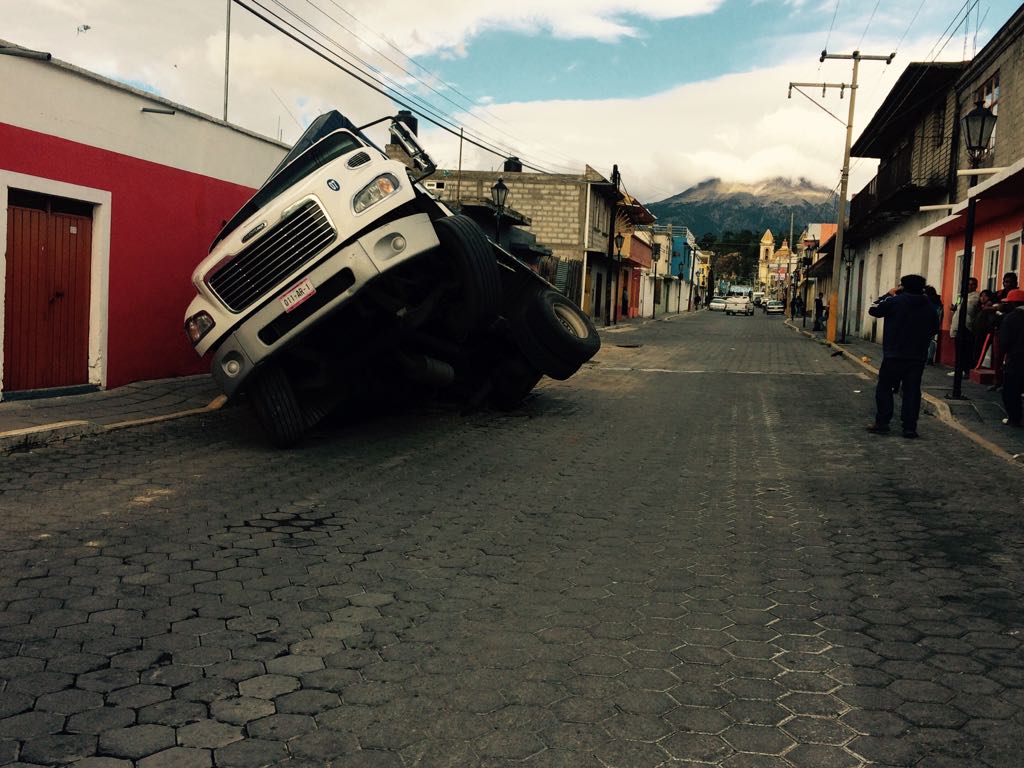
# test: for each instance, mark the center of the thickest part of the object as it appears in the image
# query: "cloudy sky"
(673, 91)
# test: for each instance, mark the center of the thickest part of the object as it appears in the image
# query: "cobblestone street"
(691, 553)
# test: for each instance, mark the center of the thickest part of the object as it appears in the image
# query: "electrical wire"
(369, 81)
(819, 106)
(469, 107)
(868, 26)
(394, 88)
(933, 54)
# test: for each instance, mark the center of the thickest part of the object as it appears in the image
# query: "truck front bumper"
(334, 280)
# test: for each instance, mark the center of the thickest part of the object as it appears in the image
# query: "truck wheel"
(466, 251)
(554, 334)
(512, 380)
(276, 407)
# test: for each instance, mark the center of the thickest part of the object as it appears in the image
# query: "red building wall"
(997, 229)
(162, 222)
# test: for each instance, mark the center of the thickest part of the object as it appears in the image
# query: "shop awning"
(998, 196)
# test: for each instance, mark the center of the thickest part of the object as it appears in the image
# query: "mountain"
(718, 206)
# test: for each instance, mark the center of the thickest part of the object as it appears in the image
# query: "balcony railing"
(909, 176)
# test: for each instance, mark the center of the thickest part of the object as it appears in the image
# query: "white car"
(775, 307)
(717, 304)
(342, 278)
(739, 305)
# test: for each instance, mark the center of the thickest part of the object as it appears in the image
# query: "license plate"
(297, 294)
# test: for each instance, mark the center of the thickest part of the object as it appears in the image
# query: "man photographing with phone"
(910, 323)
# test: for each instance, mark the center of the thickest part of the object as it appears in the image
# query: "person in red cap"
(1011, 344)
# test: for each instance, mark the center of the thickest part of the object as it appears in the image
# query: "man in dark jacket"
(910, 323)
(1011, 342)
(819, 312)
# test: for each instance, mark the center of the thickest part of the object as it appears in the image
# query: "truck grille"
(258, 268)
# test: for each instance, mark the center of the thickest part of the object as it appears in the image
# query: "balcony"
(914, 176)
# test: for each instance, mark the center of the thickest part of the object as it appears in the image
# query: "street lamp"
(655, 256)
(849, 255)
(619, 240)
(499, 194)
(978, 125)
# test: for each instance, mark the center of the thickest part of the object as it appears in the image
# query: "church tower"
(767, 249)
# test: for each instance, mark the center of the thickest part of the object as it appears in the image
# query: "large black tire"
(466, 252)
(276, 406)
(554, 334)
(512, 379)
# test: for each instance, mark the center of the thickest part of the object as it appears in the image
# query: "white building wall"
(888, 256)
(80, 106)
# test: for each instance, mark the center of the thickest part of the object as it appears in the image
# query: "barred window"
(988, 95)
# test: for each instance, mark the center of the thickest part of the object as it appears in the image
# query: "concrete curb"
(930, 404)
(20, 440)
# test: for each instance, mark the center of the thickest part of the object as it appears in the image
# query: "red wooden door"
(46, 312)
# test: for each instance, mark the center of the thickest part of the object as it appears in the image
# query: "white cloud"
(448, 25)
(739, 126)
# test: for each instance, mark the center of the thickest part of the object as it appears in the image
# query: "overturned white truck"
(342, 274)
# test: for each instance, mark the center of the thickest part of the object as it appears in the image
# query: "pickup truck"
(739, 305)
(342, 278)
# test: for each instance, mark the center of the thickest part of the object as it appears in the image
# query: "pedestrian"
(965, 338)
(936, 300)
(996, 312)
(1011, 341)
(910, 322)
(819, 311)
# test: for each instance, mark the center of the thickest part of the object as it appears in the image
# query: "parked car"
(717, 304)
(775, 307)
(342, 277)
(739, 305)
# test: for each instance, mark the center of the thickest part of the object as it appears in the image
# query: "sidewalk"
(978, 416)
(26, 424)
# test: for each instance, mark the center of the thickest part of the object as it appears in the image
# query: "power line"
(361, 77)
(469, 107)
(393, 89)
(868, 25)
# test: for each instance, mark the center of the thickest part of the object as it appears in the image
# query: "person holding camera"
(910, 324)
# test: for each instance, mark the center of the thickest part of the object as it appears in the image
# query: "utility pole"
(227, 59)
(844, 180)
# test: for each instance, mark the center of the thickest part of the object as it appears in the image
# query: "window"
(990, 275)
(988, 95)
(1013, 254)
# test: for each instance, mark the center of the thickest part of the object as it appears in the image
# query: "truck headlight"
(378, 189)
(198, 326)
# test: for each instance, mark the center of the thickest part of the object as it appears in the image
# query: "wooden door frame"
(99, 267)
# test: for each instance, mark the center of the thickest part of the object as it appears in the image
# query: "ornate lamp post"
(619, 240)
(978, 125)
(849, 255)
(499, 194)
(655, 257)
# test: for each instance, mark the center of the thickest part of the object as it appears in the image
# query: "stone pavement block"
(136, 741)
(58, 749)
(29, 725)
(241, 710)
(178, 757)
(97, 721)
(208, 734)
